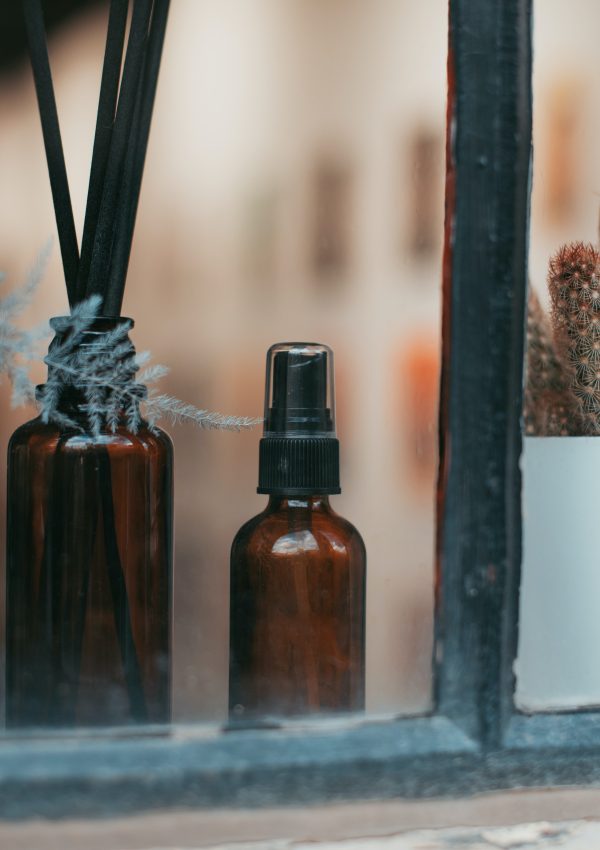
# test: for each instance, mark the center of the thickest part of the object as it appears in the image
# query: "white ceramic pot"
(559, 633)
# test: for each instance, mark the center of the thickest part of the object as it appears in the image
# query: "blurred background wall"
(293, 191)
(565, 203)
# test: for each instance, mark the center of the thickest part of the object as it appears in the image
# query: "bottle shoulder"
(36, 434)
(278, 533)
(247, 531)
(347, 528)
(30, 430)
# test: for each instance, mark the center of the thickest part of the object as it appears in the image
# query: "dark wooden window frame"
(473, 740)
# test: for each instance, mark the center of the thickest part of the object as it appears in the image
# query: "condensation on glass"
(302, 197)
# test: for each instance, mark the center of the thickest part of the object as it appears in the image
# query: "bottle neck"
(72, 403)
(91, 375)
(301, 503)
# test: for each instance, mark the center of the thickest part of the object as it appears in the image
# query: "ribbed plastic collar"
(299, 466)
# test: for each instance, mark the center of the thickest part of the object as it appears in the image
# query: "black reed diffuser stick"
(121, 138)
(119, 152)
(50, 674)
(107, 104)
(121, 608)
(136, 158)
(36, 35)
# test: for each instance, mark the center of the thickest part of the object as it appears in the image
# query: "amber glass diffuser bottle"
(89, 517)
(89, 565)
(297, 609)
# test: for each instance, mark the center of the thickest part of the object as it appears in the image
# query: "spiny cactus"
(574, 285)
(549, 408)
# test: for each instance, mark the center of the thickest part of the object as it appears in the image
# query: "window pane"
(556, 667)
(293, 191)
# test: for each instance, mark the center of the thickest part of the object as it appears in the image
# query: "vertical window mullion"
(487, 210)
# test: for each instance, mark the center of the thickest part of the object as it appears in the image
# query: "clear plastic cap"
(299, 396)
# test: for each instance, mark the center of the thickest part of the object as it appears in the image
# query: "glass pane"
(556, 666)
(294, 190)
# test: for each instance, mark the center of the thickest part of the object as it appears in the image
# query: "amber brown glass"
(89, 573)
(297, 627)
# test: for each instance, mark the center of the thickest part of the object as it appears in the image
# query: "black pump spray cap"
(299, 453)
(299, 402)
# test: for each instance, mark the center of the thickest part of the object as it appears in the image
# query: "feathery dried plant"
(18, 348)
(105, 376)
(105, 373)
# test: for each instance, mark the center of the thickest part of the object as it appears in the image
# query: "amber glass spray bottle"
(297, 627)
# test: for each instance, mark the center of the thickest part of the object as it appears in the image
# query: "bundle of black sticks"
(119, 152)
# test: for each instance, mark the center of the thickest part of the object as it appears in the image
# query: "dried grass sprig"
(103, 373)
(18, 348)
(161, 406)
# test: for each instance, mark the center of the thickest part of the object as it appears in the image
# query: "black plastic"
(300, 393)
(299, 453)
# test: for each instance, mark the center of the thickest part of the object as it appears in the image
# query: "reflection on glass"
(558, 628)
(293, 190)
(297, 612)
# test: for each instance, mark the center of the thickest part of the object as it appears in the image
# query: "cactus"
(549, 408)
(574, 285)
